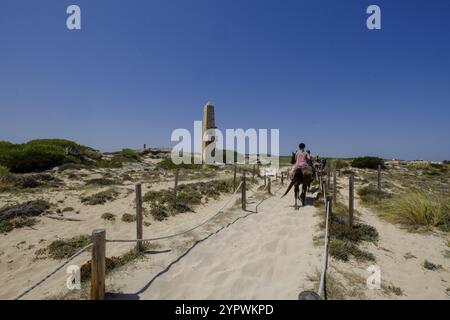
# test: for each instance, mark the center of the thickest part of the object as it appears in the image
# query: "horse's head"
(293, 158)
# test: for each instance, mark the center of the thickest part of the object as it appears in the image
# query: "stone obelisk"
(209, 122)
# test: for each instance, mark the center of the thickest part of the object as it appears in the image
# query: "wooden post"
(244, 192)
(145, 146)
(234, 178)
(334, 187)
(379, 178)
(282, 178)
(98, 264)
(351, 198)
(328, 177)
(139, 217)
(175, 187)
(329, 201)
(269, 186)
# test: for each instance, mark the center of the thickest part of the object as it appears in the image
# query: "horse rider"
(302, 159)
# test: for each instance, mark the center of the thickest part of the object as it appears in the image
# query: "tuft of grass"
(341, 250)
(64, 248)
(419, 209)
(109, 216)
(116, 262)
(431, 266)
(100, 198)
(159, 213)
(370, 195)
(17, 223)
(126, 217)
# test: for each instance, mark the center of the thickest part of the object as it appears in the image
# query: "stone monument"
(209, 122)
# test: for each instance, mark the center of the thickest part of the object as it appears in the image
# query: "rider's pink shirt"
(301, 159)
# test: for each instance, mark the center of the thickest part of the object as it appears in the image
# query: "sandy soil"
(400, 255)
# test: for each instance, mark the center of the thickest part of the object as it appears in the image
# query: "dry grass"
(416, 208)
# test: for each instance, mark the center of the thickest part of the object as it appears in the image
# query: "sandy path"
(265, 255)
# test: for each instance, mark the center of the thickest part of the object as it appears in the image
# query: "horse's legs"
(304, 188)
(296, 194)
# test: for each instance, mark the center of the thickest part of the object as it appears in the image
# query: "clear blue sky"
(139, 69)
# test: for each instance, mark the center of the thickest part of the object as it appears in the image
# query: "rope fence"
(99, 238)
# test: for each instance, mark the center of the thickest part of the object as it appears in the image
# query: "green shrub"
(367, 162)
(38, 155)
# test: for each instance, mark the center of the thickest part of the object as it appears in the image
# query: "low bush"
(126, 217)
(38, 155)
(367, 162)
(108, 216)
(100, 198)
(101, 182)
(64, 248)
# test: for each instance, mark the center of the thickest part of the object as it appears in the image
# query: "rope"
(54, 271)
(185, 231)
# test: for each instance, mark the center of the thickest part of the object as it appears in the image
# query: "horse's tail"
(289, 188)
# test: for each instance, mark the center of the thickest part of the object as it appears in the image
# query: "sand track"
(264, 255)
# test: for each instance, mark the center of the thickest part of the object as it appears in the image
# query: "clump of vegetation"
(367, 163)
(109, 216)
(159, 213)
(22, 215)
(126, 217)
(417, 208)
(68, 209)
(431, 266)
(3, 170)
(370, 195)
(116, 262)
(164, 202)
(39, 155)
(101, 182)
(338, 164)
(16, 223)
(63, 248)
(167, 164)
(343, 249)
(72, 166)
(344, 240)
(100, 197)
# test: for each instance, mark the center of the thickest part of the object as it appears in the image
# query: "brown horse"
(301, 177)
